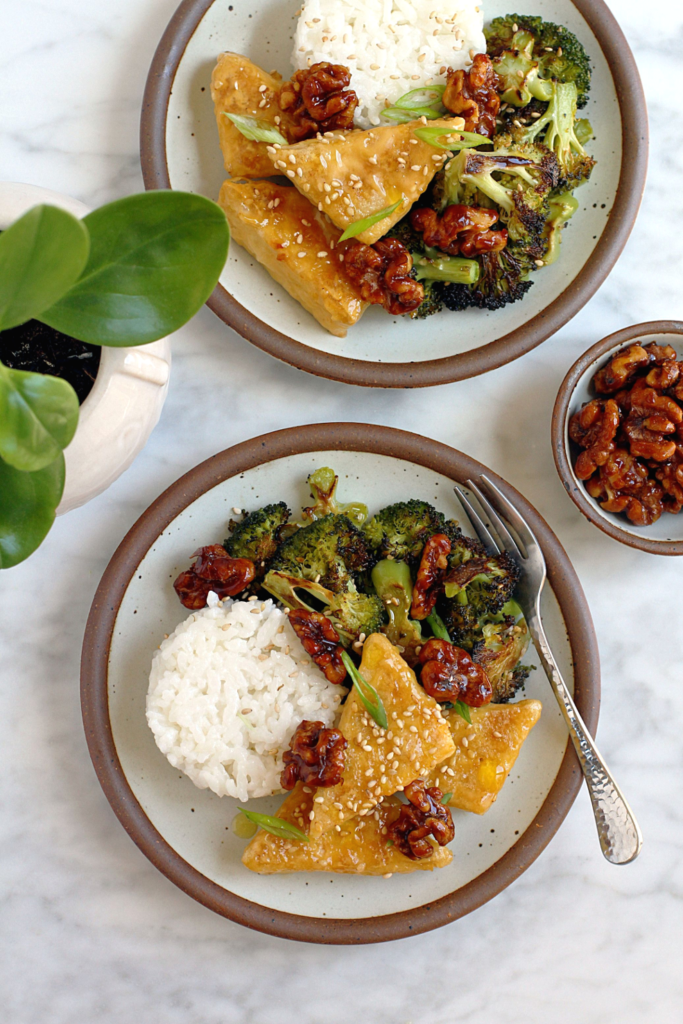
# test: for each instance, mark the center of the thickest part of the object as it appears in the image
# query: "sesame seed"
(465, 741)
(291, 174)
(367, 748)
(539, 263)
(322, 253)
(301, 254)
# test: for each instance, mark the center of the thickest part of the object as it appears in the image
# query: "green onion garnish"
(409, 108)
(413, 114)
(406, 100)
(359, 226)
(276, 826)
(437, 626)
(460, 139)
(463, 710)
(369, 697)
(446, 797)
(256, 130)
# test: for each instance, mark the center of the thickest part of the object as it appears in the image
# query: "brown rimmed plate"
(186, 832)
(665, 537)
(179, 149)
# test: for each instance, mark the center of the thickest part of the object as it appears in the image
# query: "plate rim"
(380, 440)
(427, 373)
(562, 455)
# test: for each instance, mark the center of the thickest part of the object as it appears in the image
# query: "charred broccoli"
(477, 588)
(433, 268)
(351, 612)
(503, 279)
(258, 535)
(400, 531)
(562, 206)
(557, 129)
(330, 551)
(323, 484)
(394, 586)
(503, 645)
(551, 52)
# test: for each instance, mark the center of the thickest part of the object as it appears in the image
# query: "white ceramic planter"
(126, 401)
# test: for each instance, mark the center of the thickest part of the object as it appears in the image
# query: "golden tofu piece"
(351, 175)
(484, 752)
(357, 847)
(378, 762)
(296, 245)
(240, 87)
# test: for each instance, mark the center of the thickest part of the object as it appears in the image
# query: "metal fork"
(618, 831)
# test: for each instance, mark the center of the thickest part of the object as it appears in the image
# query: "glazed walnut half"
(315, 757)
(318, 99)
(430, 574)
(214, 570)
(424, 816)
(449, 674)
(321, 640)
(461, 230)
(473, 95)
(382, 274)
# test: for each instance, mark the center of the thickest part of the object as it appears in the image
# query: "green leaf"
(359, 226)
(154, 260)
(27, 509)
(455, 139)
(369, 697)
(41, 256)
(437, 626)
(276, 826)
(256, 129)
(463, 710)
(38, 419)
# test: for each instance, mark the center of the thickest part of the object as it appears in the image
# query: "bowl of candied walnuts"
(618, 436)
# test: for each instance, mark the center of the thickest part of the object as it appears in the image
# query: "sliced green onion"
(446, 797)
(276, 826)
(255, 129)
(359, 226)
(463, 710)
(437, 626)
(405, 114)
(406, 100)
(369, 697)
(461, 140)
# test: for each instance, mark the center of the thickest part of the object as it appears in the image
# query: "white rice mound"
(218, 663)
(390, 46)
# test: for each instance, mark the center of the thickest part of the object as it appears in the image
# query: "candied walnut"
(382, 274)
(215, 570)
(594, 427)
(660, 354)
(461, 231)
(623, 485)
(424, 816)
(473, 95)
(665, 375)
(320, 639)
(651, 417)
(430, 574)
(315, 757)
(449, 674)
(670, 475)
(621, 369)
(317, 100)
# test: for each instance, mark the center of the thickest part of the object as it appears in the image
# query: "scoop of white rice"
(227, 690)
(390, 46)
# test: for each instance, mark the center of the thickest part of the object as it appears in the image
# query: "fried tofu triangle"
(358, 847)
(351, 175)
(295, 244)
(240, 87)
(378, 762)
(484, 752)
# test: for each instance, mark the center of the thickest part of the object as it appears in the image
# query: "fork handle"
(618, 831)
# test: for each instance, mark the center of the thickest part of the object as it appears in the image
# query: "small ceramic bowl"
(665, 537)
(127, 397)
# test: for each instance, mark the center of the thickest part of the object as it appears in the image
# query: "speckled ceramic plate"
(186, 832)
(180, 150)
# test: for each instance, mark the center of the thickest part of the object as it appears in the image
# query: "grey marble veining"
(89, 930)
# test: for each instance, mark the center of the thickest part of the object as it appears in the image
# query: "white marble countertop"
(90, 930)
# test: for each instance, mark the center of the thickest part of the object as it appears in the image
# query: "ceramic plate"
(187, 832)
(180, 150)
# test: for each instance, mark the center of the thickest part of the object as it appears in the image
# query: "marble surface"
(89, 930)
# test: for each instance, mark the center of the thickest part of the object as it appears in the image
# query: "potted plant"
(124, 276)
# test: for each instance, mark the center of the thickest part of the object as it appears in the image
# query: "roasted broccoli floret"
(557, 52)
(562, 207)
(503, 279)
(323, 484)
(556, 129)
(400, 531)
(330, 551)
(499, 653)
(350, 611)
(433, 268)
(258, 535)
(478, 586)
(394, 585)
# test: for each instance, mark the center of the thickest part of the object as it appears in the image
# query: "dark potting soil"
(37, 347)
